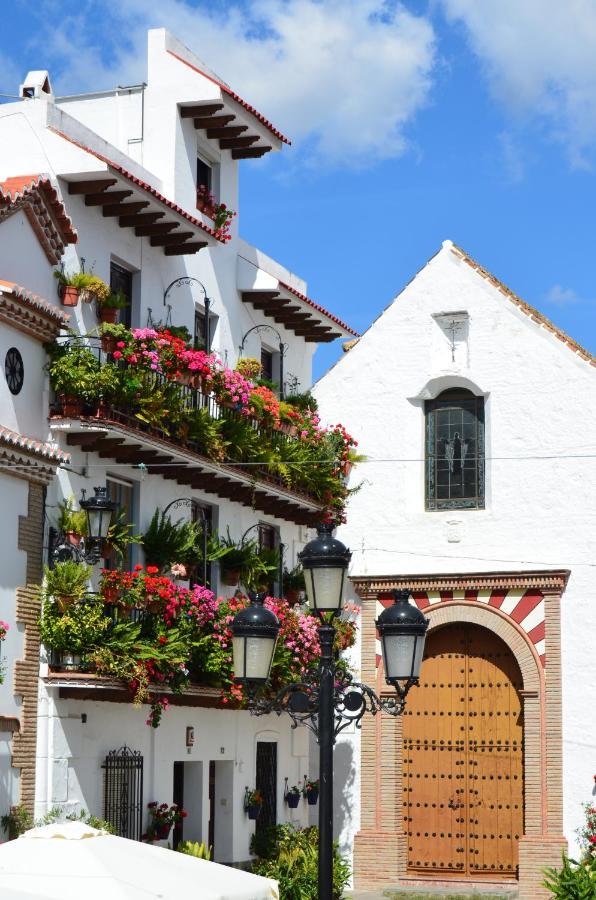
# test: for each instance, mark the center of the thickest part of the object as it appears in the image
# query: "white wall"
(539, 511)
(70, 754)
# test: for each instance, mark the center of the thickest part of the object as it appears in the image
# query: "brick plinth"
(379, 858)
(536, 852)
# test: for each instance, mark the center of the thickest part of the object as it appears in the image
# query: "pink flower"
(117, 354)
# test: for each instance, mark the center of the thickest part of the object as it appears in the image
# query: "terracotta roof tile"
(41, 202)
(34, 302)
(31, 445)
(228, 90)
(316, 306)
(140, 183)
(530, 311)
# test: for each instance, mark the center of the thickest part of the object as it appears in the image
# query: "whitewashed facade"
(140, 142)
(454, 326)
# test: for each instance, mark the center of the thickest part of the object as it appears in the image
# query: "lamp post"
(328, 703)
(99, 510)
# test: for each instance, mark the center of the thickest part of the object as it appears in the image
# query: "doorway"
(266, 783)
(463, 784)
(188, 795)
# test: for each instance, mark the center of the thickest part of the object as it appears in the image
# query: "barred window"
(455, 451)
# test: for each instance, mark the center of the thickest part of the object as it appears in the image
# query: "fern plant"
(166, 542)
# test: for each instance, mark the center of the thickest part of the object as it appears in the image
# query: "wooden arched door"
(463, 758)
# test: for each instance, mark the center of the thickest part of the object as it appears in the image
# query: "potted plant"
(71, 633)
(74, 374)
(120, 536)
(166, 542)
(293, 583)
(107, 309)
(72, 523)
(253, 801)
(238, 560)
(80, 284)
(311, 791)
(161, 819)
(17, 821)
(112, 334)
(66, 583)
(292, 797)
(261, 569)
(249, 367)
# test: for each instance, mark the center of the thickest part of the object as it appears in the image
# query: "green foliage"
(573, 881)
(75, 370)
(70, 519)
(66, 579)
(17, 821)
(303, 401)
(120, 534)
(293, 861)
(193, 848)
(166, 542)
(57, 815)
(114, 301)
(77, 630)
(182, 332)
(206, 432)
(86, 282)
(294, 579)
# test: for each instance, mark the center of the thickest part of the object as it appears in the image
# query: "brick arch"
(457, 612)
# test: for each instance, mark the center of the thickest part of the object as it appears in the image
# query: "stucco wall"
(540, 493)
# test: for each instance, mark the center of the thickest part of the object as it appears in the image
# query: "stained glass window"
(455, 451)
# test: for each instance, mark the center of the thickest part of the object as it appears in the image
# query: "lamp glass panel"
(418, 654)
(324, 587)
(94, 523)
(253, 657)
(398, 655)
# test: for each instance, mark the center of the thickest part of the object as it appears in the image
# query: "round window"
(14, 370)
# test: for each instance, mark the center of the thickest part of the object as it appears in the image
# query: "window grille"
(266, 783)
(123, 792)
(455, 451)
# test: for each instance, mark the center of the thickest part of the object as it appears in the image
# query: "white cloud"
(561, 296)
(343, 78)
(540, 58)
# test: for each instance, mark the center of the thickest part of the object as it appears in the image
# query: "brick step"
(416, 891)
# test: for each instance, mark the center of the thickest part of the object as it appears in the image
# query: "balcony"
(197, 434)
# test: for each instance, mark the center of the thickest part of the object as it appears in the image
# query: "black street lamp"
(99, 510)
(327, 704)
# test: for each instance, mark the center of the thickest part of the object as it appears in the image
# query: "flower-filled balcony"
(147, 639)
(147, 397)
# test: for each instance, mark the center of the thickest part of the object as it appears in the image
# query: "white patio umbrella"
(72, 861)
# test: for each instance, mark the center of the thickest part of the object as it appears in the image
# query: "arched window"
(455, 451)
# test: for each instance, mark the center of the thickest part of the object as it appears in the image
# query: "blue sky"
(413, 122)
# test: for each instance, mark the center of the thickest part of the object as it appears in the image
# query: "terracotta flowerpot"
(72, 406)
(205, 207)
(185, 378)
(108, 343)
(107, 314)
(72, 538)
(292, 595)
(293, 800)
(110, 594)
(63, 603)
(230, 576)
(346, 469)
(253, 810)
(101, 410)
(69, 296)
(162, 831)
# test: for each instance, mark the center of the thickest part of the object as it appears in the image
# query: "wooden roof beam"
(122, 209)
(188, 247)
(237, 143)
(230, 132)
(105, 197)
(159, 228)
(213, 121)
(165, 240)
(253, 296)
(198, 110)
(250, 152)
(140, 219)
(320, 339)
(91, 186)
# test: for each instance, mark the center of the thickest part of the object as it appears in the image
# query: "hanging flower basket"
(253, 810)
(293, 799)
(69, 296)
(312, 796)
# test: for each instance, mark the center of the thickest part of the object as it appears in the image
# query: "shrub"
(193, 848)
(293, 862)
(573, 881)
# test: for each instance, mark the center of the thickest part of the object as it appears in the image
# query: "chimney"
(35, 85)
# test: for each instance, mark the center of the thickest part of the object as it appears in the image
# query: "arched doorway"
(463, 785)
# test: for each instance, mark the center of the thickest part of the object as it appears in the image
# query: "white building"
(476, 417)
(126, 164)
